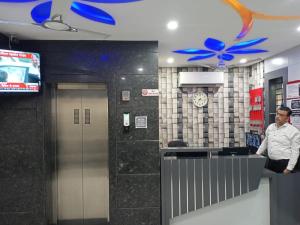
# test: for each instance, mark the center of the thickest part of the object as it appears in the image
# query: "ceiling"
(146, 20)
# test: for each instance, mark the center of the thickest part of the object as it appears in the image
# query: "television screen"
(19, 71)
(253, 140)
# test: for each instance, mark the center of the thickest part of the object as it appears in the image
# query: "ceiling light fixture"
(172, 25)
(170, 60)
(277, 61)
(141, 69)
(298, 29)
(243, 60)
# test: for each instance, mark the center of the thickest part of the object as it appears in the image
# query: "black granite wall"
(26, 156)
(138, 180)
(22, 180)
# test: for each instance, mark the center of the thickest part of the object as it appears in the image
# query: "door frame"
(281, 73)
(51, 144)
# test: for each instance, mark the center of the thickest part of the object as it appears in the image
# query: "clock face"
(200, 99)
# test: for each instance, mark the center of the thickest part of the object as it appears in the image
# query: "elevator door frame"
(281, 73)
(53, 195)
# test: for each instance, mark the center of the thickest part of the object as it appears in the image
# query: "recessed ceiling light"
(172, 25)
(244, 60)
(141, 69)
(123, 78)
(277, 61)
(298, 29)
(170, 60)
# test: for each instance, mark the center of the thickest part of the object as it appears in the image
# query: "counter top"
(190, 149)
(191, 152)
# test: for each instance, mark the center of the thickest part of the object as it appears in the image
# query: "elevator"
(81, 181)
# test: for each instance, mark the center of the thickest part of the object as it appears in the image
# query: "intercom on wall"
(125, 95)
(126, 121)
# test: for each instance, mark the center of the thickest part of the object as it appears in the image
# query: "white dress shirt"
(282, 143)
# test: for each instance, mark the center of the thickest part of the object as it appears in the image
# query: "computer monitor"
(234, 151)
(253, 141)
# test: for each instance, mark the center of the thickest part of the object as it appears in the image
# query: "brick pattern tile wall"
(221, 123)
(256, 80)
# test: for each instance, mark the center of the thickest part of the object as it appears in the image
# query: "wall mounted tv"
(19, 71)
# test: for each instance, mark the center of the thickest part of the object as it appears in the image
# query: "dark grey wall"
(267, 78)
(22, 178)
(138, 180)
(26, 157)
(284, 199)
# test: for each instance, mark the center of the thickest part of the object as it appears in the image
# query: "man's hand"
(286, 171)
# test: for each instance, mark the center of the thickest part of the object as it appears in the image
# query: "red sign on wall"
(257, 108)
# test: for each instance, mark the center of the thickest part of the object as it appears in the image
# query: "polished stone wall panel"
(80, 61)
(17, 193)
(21, 218)
(21, 161)
(138, 106)
(145, 216)
(149, 133)
(137, 149)
(138, 191)
(95, 57)
(135, 84)
(17, 101)
(137, 157)
(19, 126)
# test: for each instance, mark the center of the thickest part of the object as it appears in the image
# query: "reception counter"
(284, 198)
(198, 186)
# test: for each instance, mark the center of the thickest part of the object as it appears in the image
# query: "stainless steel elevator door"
(82, 155)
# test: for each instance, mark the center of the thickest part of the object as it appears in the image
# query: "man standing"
(283, 142)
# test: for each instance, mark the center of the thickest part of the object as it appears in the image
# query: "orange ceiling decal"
(248, 16)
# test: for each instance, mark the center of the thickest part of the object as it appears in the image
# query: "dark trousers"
(277, 166)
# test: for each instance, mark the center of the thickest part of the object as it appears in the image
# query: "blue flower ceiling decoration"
(216, 48)
(42, 11)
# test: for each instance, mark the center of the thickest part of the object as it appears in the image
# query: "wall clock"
(200, 99)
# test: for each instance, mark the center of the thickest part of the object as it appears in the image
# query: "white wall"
(247, 209)
(291, 60)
